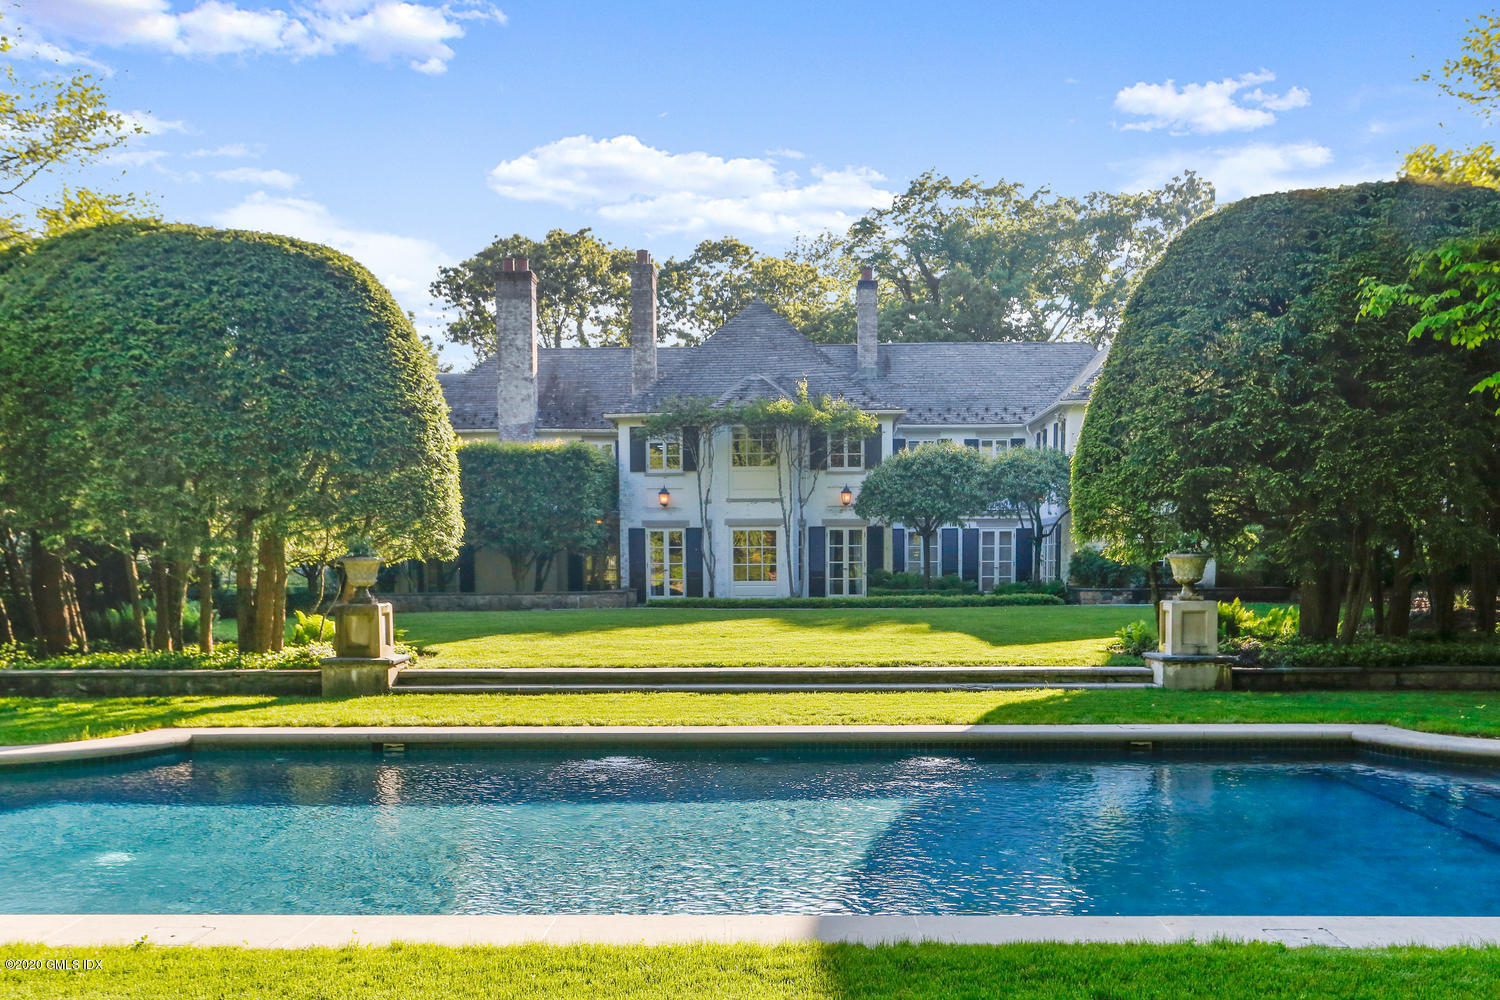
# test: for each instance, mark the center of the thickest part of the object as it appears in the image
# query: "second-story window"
(846, 452)
(753, 448)
(664, 454)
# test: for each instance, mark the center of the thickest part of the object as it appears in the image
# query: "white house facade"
(988, 396)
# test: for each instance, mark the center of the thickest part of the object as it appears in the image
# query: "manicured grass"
(41, 720)
(741, 972)
(668, 637)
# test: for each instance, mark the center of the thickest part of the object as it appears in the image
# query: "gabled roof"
(759, 355)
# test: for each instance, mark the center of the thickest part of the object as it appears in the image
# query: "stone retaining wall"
(592, 599)
(150, 683)
(1366, 678)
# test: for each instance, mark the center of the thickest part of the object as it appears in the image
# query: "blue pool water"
(749, 831)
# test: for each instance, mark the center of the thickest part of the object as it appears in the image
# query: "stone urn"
(1187, 569)
(360, 573)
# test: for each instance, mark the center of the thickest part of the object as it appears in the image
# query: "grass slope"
(741, 972)
(42, 720)
(668, 637)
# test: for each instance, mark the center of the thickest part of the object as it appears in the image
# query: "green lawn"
(742, 972)
(649, 637)
(41, 720)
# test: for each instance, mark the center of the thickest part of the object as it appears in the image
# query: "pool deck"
(275, 931)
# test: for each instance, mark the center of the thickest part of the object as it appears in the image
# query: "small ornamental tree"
(1025, 483)
(530, 501)
(696, 421)
(924, 489)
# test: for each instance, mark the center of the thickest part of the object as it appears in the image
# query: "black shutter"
(575, 571)
(971, 443)
(872, 450)
(897, 444)
(1023, 555)
(637, 449)
(637, 556)
(817, 562)
(817, 451)
(466, 569)
(970, 560)
(898, 550)
(693, 556)
(949, 550)
(874, 549)
(690, 445)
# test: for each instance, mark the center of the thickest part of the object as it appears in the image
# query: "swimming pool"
(774, 829)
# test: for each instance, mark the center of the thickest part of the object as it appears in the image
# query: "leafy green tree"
(531, 501)
(218, 391)
(966, 260)
(1027, 483)
(1473, 78)
(583, 287)
(1244, 395)
(925, 488)
(721, 277)
(697, 421)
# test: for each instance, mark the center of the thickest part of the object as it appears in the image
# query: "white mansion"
(988, 396)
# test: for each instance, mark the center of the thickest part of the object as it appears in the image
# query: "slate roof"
(759, 355)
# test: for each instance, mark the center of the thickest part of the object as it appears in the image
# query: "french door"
(846, 562)
(666, 576)
(997, 558)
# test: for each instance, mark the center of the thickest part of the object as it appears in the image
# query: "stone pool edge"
(1131, 736)
(308, 931)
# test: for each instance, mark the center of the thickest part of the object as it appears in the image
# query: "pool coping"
(309, 930)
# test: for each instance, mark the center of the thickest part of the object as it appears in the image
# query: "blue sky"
(409, 134)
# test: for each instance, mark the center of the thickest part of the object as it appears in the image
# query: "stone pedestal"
(364, 640)
(1189, 658)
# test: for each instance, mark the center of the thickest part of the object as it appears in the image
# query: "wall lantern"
(664, 497)
(846, 496)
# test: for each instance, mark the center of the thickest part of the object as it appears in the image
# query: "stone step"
(539, 680)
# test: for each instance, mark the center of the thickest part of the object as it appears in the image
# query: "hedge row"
(1383, 653)
(13, 657)
(910, 601)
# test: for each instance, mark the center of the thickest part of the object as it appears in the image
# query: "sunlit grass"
(41, 720)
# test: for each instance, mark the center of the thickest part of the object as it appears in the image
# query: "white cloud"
(379, 29)
(1257, 168)
(229, 151)
(623, 179)
(27, 47)
(1207, 108)
(404, 264)
(149, 124)
(257, 176)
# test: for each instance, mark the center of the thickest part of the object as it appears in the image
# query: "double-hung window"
(753, 447)
(845, 453)
(664, 453)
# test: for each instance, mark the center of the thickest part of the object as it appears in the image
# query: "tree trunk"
(278, 624)
(1377, 587)
(80, 638)
(180, 571)
(1486, 576)
(7, 632)
(1440, 593)
(244, 584)
(54, 629)
(161, 593)
(133, 595)
(1356, 592)
(22, 608)
(1398, 621)
(205, 600)
(267, 638)
(1320, 590)
(927, 559)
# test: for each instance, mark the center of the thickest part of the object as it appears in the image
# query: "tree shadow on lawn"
(51, 720)
(1003, 626)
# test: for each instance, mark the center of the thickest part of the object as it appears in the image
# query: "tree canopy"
(1245, 397)
(206, 388)
(1027, 484)
(925, 488)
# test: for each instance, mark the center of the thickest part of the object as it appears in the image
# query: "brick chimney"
(642, 322)
(515, 350)
(868, 350)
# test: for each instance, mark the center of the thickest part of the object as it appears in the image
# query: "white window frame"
(997, 558)
(753, 449)
(743, 542)
(1048, 570)
(846, 562)
(914, 552)
(846, 453)
(665, 562)
(664, 453)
